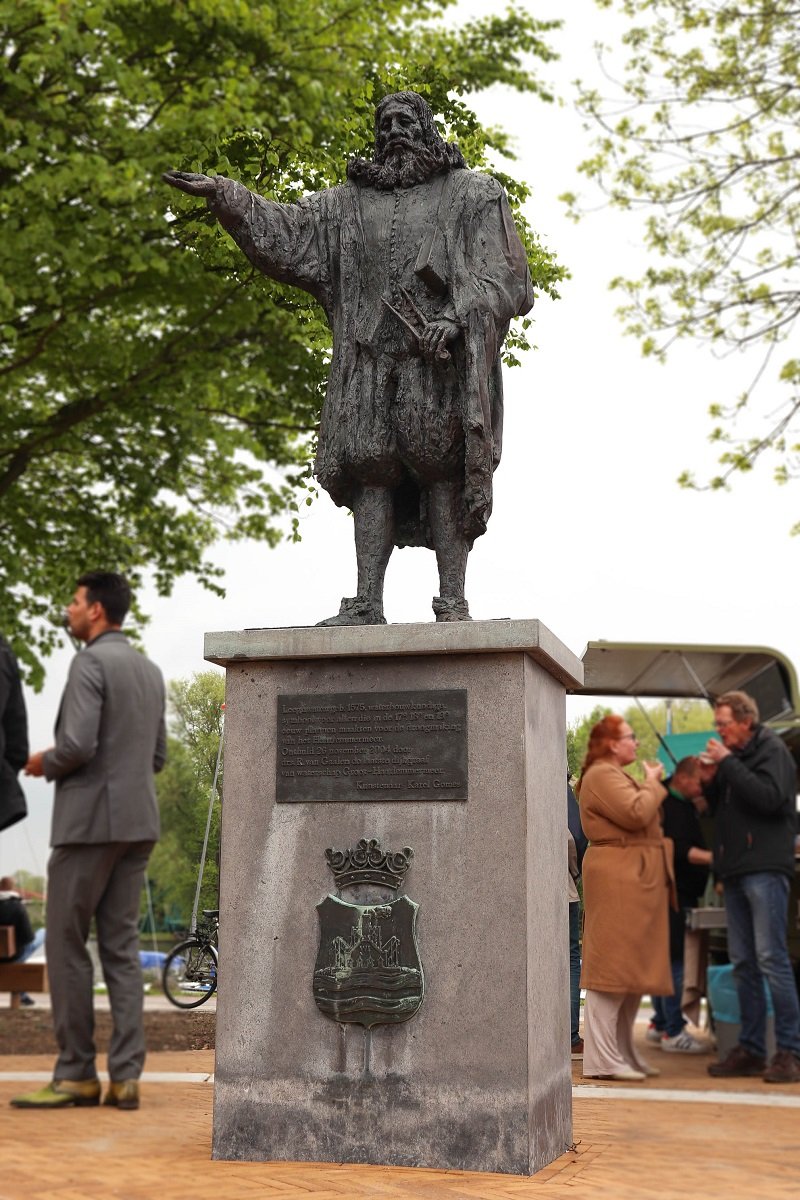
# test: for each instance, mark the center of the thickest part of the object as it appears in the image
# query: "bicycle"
(189, 975)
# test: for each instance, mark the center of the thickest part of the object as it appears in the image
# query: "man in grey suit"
(110, 739)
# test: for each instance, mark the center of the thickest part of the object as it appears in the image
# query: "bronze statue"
(419, 268)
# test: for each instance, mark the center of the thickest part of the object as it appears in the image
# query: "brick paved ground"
(737, 1143)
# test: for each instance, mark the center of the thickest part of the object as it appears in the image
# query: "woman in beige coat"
(627, 887)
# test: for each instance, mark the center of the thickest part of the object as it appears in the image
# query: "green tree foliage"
(155, 390)
(184, 793)
(687, 716)
(704, 137)
(578, 739)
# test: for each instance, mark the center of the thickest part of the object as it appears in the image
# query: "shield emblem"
(368, 970)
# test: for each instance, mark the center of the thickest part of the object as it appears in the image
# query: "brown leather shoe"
(784, 1068)
(123, 1095)
(738, 1062)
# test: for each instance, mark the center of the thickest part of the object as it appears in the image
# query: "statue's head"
(403, 116)
(408, 148)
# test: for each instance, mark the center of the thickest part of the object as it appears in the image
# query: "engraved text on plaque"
(372, 746)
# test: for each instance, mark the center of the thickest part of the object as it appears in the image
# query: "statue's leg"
(374, 533)
(452, 549)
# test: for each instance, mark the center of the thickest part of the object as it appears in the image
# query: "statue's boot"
(451, 608)
(357, 610)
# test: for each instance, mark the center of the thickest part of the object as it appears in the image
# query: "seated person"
(13, 912)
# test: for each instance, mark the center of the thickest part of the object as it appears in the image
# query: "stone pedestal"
(479, 1078)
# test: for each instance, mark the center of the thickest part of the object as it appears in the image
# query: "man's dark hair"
(687, 766)
(109, 589)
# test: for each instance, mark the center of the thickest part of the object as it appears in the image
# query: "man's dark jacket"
(13, 739)
(575, 827)
(753, 799)
(682, 824)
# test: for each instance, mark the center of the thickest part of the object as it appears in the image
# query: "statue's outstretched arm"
(281, 240)
(191, 183)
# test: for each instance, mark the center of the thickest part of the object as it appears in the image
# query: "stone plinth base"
(479, 1078)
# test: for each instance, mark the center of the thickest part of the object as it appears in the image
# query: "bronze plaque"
(372, 746)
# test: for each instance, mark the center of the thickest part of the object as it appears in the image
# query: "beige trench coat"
(628, 883)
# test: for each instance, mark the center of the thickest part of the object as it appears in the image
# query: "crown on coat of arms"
(367, 863)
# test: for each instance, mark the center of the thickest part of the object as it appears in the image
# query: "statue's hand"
(192, 184)
(434, 338)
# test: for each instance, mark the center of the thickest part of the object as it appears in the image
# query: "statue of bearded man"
(419, 268)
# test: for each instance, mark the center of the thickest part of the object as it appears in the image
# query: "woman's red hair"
(600, 738)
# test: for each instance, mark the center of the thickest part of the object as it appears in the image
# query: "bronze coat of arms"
(368, 969)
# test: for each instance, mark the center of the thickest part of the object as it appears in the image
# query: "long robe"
(390, 418)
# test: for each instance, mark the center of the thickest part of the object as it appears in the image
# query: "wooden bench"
(17, 977)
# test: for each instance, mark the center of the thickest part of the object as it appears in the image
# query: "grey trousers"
(103, 881)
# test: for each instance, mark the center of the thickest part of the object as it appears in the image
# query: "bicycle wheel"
(190, 974)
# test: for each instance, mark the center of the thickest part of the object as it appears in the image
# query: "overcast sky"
(590, 532)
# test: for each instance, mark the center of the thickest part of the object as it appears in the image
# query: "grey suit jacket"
(110, 739)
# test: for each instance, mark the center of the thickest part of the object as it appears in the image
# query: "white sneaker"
(683, 1043)
(653, 1034)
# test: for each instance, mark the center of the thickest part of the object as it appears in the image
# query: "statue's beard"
(402, 163)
